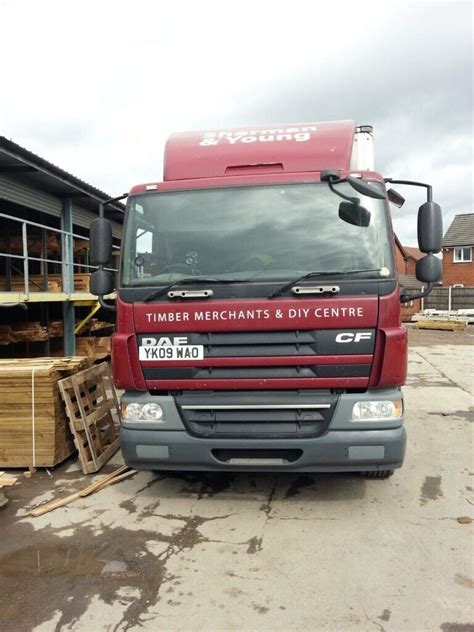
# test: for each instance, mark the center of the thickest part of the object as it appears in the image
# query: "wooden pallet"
(91, 402)
(34, 428)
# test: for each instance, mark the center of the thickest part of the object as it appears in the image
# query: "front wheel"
(377, 474)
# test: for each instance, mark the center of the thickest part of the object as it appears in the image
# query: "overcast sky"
(96, 87)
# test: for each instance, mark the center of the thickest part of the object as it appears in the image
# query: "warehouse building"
(45, 213)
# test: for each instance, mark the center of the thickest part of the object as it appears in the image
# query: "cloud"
(97, 87)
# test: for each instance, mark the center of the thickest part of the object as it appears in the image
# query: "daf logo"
(164, 341)
(348, 336)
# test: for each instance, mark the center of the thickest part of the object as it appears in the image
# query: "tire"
(377, 474)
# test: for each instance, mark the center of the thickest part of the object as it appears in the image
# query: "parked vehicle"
(258, 305)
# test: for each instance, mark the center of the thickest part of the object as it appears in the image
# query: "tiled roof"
(461, 231)
(413, 252)
(408, 251)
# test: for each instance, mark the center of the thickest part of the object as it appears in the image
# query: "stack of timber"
(37, 283)
(53, 245)
(15, 245)
(29, 332)
(33, 331)
(438, 323)
(81, 282)
(98, 325)
(461, 315)
(94, 347)
(22, 332)
(94, 415)
(81, 246)
(34, 430)
(441, 319)
(56, 329)
(6, 335)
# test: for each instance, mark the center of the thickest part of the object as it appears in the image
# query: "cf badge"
(357, 336)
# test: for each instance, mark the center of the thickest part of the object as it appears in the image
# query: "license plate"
(171, 352)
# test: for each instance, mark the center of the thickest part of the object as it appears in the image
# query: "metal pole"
(449, 297)
(68, 279)
(44, 255)
(8, 263)
(24, 236)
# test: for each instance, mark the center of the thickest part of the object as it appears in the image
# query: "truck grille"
(333, 357)
(276, 343)
(250, 414)
(256, 372)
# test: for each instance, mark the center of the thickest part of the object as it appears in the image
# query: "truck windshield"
(266, 233)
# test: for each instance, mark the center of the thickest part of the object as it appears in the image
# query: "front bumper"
(337, 451)
(345, 446)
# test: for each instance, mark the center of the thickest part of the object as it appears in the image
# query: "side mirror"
(429, 269)
(100, 244)
(395, 198)
(354, 214)
(101, 282)
(430, 228)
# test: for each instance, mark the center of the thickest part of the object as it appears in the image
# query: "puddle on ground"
(53, 561)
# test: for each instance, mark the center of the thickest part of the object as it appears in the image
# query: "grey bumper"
(337, 451)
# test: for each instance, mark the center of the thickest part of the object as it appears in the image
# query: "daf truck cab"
(258, 304)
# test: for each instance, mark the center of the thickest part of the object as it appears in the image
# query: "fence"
(65, 261)
(451, 298)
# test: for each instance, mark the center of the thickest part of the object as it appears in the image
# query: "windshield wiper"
(318, 273)
(189, 281)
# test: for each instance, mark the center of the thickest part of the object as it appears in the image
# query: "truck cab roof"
(265, 150)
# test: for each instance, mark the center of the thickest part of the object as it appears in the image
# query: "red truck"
(258, 304)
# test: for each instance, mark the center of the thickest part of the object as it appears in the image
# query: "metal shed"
(38, 198)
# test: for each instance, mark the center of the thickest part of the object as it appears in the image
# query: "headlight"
(153, 412)
(377, 411)
(133, 412)
(142, 412)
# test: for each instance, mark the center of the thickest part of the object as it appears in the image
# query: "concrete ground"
(262, 551)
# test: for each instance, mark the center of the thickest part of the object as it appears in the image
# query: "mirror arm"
(428, 187)
(110, 201)
(342, 195)
(406, 298)
(110, 306)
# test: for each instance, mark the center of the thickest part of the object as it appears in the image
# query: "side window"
(144, 241)
(143, 253)
(462, 254)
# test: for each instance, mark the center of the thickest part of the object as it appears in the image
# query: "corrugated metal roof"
(461, 231)
(25, 166)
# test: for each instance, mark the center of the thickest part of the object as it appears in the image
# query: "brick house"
(405, 259)
(458, 247)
